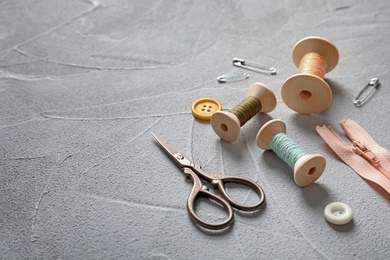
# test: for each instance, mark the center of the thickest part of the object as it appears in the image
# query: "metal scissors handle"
(225, 200)
(217, 180)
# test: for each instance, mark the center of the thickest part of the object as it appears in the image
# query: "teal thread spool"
(307, 167)
(286, 149)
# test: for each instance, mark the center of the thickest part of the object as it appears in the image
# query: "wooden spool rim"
(226, 125)
(308, 169)
(319, 45)
(266, 96)
(306, 94)
(268, 131)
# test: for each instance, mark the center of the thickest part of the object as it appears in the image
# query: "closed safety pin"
(232, 77)
(374, 83)
(253, 66)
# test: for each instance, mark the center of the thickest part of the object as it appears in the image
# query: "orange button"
(204, 108)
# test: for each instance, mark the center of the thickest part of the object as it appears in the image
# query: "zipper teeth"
(347, 132)
(338, 137)
(373, 173)
(383, 171)
(380, 168)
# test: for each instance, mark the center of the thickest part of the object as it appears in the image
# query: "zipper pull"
(366, 153)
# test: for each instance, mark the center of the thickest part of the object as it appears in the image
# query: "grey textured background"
(83, 82)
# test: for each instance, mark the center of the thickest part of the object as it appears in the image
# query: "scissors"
(196, 174)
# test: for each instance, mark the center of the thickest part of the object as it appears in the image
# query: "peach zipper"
(365, 156)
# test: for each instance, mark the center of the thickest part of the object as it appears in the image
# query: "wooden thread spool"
(307, 169)
(307, 92)
(227, 124)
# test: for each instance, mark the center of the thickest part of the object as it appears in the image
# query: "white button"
(338, 213)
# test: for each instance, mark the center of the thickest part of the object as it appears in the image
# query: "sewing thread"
(286, 149)
(313, 63)
(248, 108)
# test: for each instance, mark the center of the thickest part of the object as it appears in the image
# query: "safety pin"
(374, 83)
(232, 77)
(253, 66)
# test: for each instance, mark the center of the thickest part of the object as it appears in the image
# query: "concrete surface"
(82, 83)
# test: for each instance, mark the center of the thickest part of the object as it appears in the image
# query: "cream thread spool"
(307, 168)
(307, 92)
(227, 124)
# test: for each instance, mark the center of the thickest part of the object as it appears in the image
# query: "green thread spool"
(227, 124)
(307, 167)
(247, 109)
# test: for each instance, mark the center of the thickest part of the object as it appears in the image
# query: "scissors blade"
(166, 146)
(180, 160)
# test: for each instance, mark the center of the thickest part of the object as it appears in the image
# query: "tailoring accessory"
(227, 124)
(338, 213)
(307, 167)
(307, 92)
(373, 84)
(217, 180)
(204, 108)
(232, 77)
(250, 65)
(365, 156)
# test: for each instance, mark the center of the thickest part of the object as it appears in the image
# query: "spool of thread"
(307, 92)
(227, 124)
(307, 167)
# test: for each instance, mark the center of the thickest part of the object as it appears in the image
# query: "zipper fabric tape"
(364, 156)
